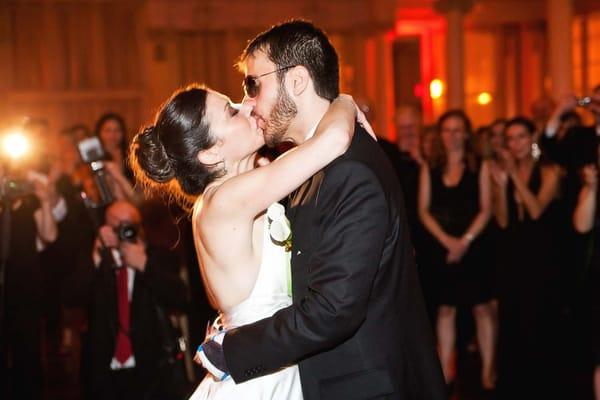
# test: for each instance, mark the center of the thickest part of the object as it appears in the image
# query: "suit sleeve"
(77, 286)
(354, 222)
(552, 149)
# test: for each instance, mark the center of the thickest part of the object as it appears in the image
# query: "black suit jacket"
(96, 288)
(358, 326)
(577, 148)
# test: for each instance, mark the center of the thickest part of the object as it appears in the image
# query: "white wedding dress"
(270, 293)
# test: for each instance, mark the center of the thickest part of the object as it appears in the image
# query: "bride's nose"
(246, 108)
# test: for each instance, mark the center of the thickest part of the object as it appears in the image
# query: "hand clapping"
(589, 176)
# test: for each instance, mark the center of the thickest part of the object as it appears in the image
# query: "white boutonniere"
(280, 229)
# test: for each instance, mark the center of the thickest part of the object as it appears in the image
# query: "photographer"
(126, 284)
(570, 144)
(573, 149)
(28, 207)
(112, 133)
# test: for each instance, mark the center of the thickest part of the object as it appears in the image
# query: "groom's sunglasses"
(252, 85)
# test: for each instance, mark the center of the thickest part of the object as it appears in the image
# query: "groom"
(358, 327)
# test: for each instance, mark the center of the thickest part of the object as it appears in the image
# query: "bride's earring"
(224, 167)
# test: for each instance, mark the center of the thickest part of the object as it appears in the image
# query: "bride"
(203, 150)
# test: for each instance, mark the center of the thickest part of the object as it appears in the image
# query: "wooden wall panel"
(27, 46)
(53, 51)
(6, 66)
(70, 60)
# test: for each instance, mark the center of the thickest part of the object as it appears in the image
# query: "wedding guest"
(526, 193)
(454, 206)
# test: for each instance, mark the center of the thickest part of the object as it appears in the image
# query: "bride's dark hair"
(164, 156)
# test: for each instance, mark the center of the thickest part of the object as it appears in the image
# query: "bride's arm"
(249, 193)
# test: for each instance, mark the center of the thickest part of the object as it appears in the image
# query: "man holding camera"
(574, 146)
(128, 286)
(28, 215)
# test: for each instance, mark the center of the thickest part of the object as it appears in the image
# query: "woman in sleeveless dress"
(526, 190)
(454, 206)
(202, 150)
(586, 220)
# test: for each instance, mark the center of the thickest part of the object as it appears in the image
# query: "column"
(454, 11)
(6, 65)
(559, 20)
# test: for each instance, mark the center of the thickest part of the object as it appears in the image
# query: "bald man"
(127, 286)
(409, 125)
(408, 131)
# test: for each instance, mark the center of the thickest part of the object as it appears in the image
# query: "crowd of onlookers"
(503, 221)
(108, 279)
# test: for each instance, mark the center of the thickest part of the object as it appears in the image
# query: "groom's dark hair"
(298, 42)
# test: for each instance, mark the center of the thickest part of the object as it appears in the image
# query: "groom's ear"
(211, 156)
(299, 79)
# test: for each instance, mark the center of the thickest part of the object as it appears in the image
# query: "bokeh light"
(484, 98)
(15, 144)
(436, 89)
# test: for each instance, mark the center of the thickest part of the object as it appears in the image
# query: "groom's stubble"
(278, 122)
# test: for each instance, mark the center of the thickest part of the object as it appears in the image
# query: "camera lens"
(127, 232)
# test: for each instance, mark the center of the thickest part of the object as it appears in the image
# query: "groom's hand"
(210, 355)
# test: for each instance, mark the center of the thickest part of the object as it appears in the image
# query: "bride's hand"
(364, 122)
(359, 114)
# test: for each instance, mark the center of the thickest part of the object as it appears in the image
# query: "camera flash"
(15, 145)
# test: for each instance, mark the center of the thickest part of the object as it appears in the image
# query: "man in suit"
(570, 144)
(358, 327)
(572, 147)
(123, 281)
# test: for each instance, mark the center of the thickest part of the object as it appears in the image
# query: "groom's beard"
(279, 119)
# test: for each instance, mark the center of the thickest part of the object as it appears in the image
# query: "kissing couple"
(317, 300)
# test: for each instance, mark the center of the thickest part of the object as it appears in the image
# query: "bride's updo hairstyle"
(164, 156)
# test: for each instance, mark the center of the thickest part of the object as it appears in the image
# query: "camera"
(91, 150)
(92, 153)
(13, 188)
(584, 101)
(127, 232)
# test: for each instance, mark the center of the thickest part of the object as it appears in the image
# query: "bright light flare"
(484, 98)
(436, 89)
(15, 144)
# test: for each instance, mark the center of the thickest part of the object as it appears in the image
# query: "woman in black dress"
(454, 206)
(111, 131)
(525, 193)
(586, 219)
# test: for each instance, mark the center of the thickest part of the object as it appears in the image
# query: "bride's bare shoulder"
(203, 208)
(209, 210)
(206, 225)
